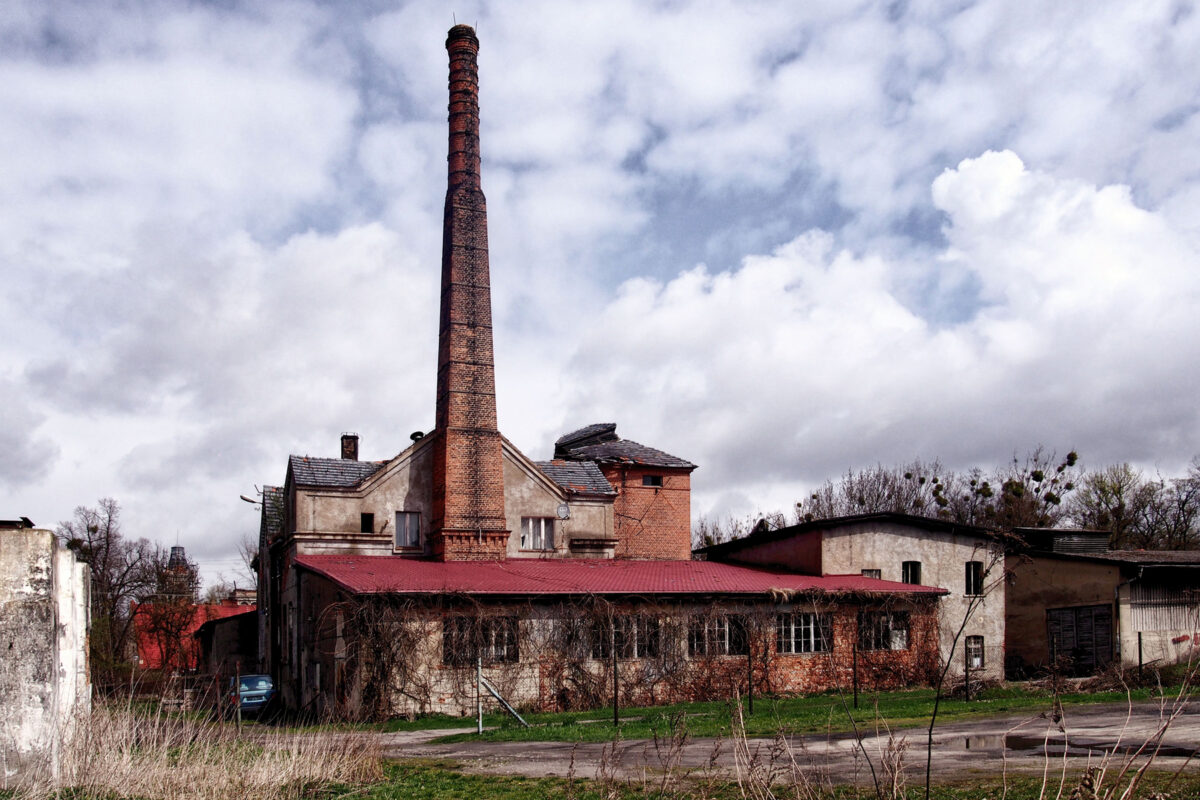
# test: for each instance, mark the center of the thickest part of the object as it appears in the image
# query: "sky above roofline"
(778, 243)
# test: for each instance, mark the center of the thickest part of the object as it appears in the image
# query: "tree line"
(1041, 490)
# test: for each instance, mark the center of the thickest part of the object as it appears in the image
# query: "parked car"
(254, 693)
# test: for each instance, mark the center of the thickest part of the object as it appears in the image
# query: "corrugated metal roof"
(515, 576)
(1160, 557)
(337, 473)
(579, 477)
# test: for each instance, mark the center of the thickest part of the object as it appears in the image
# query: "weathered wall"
(1163, 605)
(328, 521)
(43, 636)
(885, 546)
(556, 670)
(1040, 583)
(651, 521)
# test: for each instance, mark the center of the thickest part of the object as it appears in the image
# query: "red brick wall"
(468, 520)
(651, 522)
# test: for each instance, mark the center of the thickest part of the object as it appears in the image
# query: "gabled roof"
(332, 473)
(577, 477)
(537, 577)
(924, 523)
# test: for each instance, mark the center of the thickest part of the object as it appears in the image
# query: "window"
(910, 572)
(366, 523)
(803, 633)
(408, 529)
(975, 652)
(872, 573)
(634, 637)
(883, 630)
(537, 533)
(465, 639)
(652, 480)
(974, 578)
(717, 636)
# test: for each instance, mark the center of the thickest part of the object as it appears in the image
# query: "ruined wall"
(43, 637)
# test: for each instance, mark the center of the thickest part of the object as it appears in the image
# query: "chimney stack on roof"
(350, 446)
(468, 479)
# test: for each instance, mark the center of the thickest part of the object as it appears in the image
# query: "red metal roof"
(527, 576)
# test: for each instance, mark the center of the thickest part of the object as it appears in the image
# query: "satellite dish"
(564, 511)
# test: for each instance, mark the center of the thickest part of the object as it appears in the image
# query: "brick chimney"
(468, 479)
(350, 446)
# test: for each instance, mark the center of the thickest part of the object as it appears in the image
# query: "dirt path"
(1020, 744)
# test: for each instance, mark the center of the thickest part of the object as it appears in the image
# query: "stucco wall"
(885, 546)
(1040, 583)
(43, 636)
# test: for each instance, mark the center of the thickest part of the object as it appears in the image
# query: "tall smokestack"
(468, 485)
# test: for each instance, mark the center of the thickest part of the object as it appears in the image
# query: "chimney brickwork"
(468, 485)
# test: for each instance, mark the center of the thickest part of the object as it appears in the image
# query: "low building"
(1075, 606)
(966, 561)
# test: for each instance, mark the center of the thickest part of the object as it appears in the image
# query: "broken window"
(465, 639)
(975, 652)
(883, 630)
(718, 636)
(803, 633)
(910, 572)
(408, 529)
(634, 636)
(537, 533)
(872, 573)
(366, 522)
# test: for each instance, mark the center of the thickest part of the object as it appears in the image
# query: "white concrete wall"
(44, 681)
(885, 546)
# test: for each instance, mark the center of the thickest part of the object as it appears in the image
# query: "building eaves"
(585, 577)
(331, 473)
(577, 477)
(925, 523)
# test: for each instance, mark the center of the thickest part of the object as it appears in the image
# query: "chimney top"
(462, 32)
(350, 446)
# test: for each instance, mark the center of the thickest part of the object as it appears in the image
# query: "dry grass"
(127, 753)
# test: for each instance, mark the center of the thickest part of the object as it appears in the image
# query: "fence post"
(479, 694)
(612, 646)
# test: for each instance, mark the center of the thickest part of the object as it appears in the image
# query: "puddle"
(1056, 747)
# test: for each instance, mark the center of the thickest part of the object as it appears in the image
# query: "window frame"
(465, 639)
(543, 534)
(635, 636)
(803, 632)
(877, 574)
(652, 481)
(973, 579)
(408, 522)
(718, 635)
(366, 522)
(975, 643)
(883, 630)
(906, 572)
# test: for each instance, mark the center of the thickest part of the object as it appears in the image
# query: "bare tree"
(123, 573)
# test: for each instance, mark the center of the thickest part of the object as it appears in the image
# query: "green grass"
(428, 779)
(827, 713)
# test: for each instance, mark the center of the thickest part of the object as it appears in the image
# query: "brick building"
(382, 582)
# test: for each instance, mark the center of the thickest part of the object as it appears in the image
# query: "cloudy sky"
(778, 239)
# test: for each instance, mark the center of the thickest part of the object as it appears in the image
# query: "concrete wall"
(885, 546)
(1039, 584)
(44, 682)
